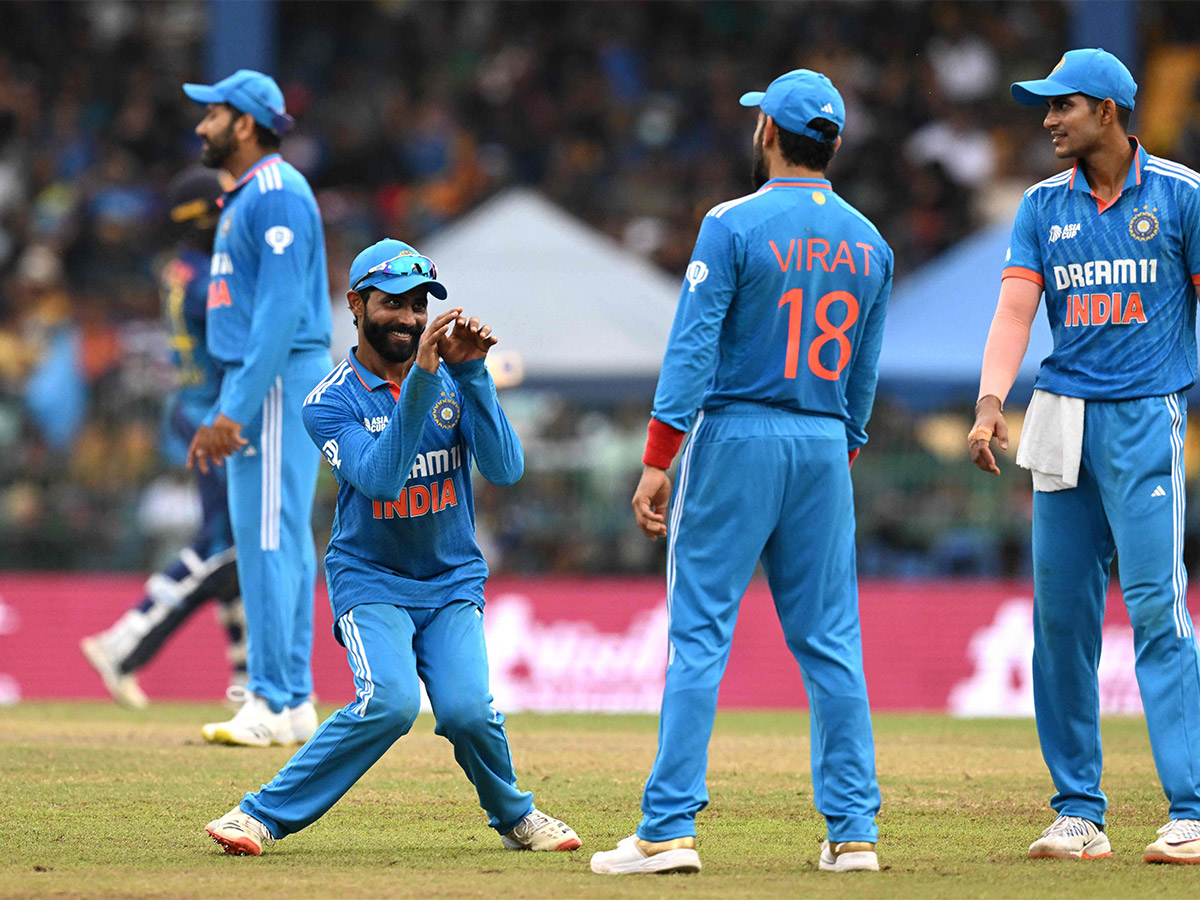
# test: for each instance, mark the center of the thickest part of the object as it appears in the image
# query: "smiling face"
(1075, 126)
(391, 324)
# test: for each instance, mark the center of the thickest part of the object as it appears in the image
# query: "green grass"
(99, 802)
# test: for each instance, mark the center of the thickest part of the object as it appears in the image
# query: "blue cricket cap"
(250, 92)
(394, 267)
(1094, 72)
(796, 98)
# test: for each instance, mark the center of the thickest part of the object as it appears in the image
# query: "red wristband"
(662, 443)
(853, 456)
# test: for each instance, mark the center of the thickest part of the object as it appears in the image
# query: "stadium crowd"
(408, 115)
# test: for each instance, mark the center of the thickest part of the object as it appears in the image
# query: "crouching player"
(404, 569)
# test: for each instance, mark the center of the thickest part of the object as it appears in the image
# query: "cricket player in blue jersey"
(405, 572)
(1114, 243)
(206, 569)
(269, 328)
(771, 364)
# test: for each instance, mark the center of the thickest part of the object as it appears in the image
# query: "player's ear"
(770, 131)
(837, 143)
(355, 301)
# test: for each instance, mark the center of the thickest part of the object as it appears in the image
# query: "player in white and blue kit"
(406, 575)
(772, 365)
(1114, 243)
(269, 328)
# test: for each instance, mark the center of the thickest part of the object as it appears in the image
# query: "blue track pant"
(389, 647)
(761, 483)
(271, 486)
(1130, 499)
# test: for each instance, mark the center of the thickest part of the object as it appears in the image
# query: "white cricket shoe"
(123, 686)
(633, 856)
(304, 721)
(848, 856)
(254, 725)
(1070, 837)
(239, 833)
(1179, 842)
(538, 831)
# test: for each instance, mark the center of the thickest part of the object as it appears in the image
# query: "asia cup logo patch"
(1144, 224)
(446, 412)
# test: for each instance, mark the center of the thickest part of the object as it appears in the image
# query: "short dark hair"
(365, 293)
(267, 139)
(1123, 112)
(801, 150)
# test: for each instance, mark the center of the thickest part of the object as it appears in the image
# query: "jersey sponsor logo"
(1106, 271)
(697, 272)
(1144, 225)
(1066, 232)
(417, 500)
(330, 449)
(1101, 309)
(279, 238)
(814, 251)
(436, 462)
(375, 424)
(222, 264)
(446, 412)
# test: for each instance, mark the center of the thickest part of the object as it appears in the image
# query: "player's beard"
(217, 150)
(377, 333)
(758, 170)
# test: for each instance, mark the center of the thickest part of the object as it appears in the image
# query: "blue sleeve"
(285, 229)
(864, 367)
(1024, 248)
(692, 347)
(491, 437)
(1189, 210)
(378, 466)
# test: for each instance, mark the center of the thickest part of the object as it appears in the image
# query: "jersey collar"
(782, 182)
(369, 379)
(269, 159)
(1078, 181)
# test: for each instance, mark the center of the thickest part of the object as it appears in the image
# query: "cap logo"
(828, 107)
(1059, 66)
(279, 238)
(696, 273)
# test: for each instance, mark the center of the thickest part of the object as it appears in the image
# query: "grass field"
(99, 802)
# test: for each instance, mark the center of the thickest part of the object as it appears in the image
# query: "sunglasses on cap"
(404, 264)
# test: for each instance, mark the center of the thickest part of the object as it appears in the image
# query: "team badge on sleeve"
(279, 238)
(696, 273)
(1143, 225)
(330, 449)
(446, 412)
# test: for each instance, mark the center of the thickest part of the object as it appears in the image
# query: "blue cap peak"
(1092, 71)
(394, 267)
(796, 98)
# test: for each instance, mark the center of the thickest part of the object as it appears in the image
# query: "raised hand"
(435, 332)
(470, 339)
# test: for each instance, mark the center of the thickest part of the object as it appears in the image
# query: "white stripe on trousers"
(685, 469)
(271, 446)
(358, 654)
(1183, 623)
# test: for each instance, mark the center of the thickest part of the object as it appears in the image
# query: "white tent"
(568, 300)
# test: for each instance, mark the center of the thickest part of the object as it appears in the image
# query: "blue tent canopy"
(938, 322)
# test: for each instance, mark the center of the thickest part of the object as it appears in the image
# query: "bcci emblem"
(1143, 225)
(446, 412)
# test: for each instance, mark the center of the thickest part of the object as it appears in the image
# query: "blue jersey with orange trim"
(404, 530)
(269, 293)
(783, 304)
(1118, 279)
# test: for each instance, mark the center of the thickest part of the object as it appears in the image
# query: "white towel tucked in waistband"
(1052, 441)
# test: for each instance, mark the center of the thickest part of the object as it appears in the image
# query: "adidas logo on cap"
(828, 107)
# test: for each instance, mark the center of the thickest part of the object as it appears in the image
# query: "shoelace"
(532, 822)
(1184, 829)
(1070, 826)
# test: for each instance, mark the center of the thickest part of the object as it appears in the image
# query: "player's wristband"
(662, 443)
